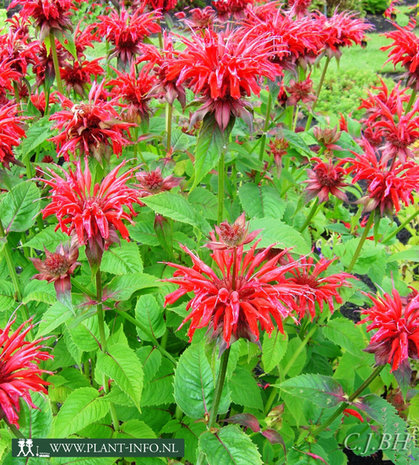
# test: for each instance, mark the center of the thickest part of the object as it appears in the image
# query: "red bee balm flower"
(78, 74)
(89, 127)
(126, 31)
(11, 133)
(242, 294)
(19, 371)
(51, 16)
(57, 267)
(397, 321)
(386, 186)
(163, 5)
(152, 182)
(307, 273)
(231, 7)
(405, 50)
(96, 212)
(224, 68)
(325, 179)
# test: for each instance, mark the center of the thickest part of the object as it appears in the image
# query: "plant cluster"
(183, 235)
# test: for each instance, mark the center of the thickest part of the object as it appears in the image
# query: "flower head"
(38, 100)
(78, 75)
(163, 5)
(201, 18)
(224, 68)
(324, 288)
(238, 294)
(58, 266)
(126, 31)
(387, 186)
(50, 16)
(327, 137)
(152, 182)
(18, 52)
(326, 179)
(11, 133)
(135, 90)
(89, 127)
(405, 51)
(278, 148)
(301, 91)
(299, 8)
(96, 212)
(19, 370)
(232, 235)
(235, 8)
(397, 321)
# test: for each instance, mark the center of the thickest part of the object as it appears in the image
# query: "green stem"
(169, 115)
(288, 366)
(18, 434)
(294, 124)
(265, 127)
(56, 64)
(310, 216)
(221, 169)
(217, 397)
(411, 100)
(16, 92)
(102, 335)
(319, 89)
(405, 222)
(361, 242)
(12, 270)
(343, 406)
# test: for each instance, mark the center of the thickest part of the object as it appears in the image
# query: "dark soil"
(351, 311)
(375, 459)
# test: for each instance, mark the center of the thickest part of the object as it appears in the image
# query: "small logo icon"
(25, 443)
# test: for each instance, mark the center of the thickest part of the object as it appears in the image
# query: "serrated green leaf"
(274, 231)
(321, 390)
(135, 429)
(122, 365)
(261, 201)
(122, 287)
(346, 334)
(122, 258)
(19, 207)
(81, 408)
(56, 315)
(273, 349)
(194, 383)
(36, 135)
(48, 238)
(40, 297)
(229, 446)
(159, 390)
(150, 313)
(244, 389)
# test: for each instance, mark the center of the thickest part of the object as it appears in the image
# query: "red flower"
(235, 8)
(342, 30)
(232, 235)
(300, 92)
(18, 52)
(11, 133)
(78, 74)
(351, 412)
(19, 371)
(327, 137)
(242, 294)
(306, 273)
(19, 25)
(163, 5)
(299, 8)
(136, 90)
(278, 148)
(89, 127)
(44, 67)
(7, 76)
(39, 102)
(96, 212)
(127, 30)
(294, 41)
(84, 38)
(152, 182)
(387, 187)
(201, 18)
(326, 179)
(58, 267)
(405, 51)
(224, 68)
(50, 16)
(397, 321)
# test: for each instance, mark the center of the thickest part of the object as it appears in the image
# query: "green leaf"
(229, 446)
(205, 201)
(208, 149)
(411, 254)
(274, 231)
(346, 334)
(173, 206)
(19, 207)
(135, 429)
(36, 135)
(150, 313)
(159, 390)
(273, 349)
(244, 389)
(194, 382)
(122, 287)
(122, 259)
(81, 408)
(297, 142)
(298, 364)
(56, 315)
(122, 365)
(262, 201)
(323, 391)
(48, 238)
